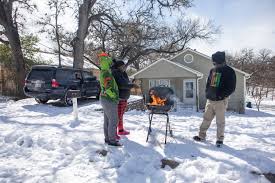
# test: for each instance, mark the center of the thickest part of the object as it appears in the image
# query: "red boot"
(118, 137)
(121, 109)
(123, 132)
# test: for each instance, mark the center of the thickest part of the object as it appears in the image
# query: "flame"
(157, 100)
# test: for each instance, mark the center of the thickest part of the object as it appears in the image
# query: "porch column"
(197, 94)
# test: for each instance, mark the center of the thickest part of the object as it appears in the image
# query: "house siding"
(203, 65)
(163, 68)
(175, 83)
(145, 86)
(237, 99)
(179, 88)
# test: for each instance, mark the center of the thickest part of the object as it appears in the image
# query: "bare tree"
(245, 58)
(82, 31)
(261, 67)
(142, 35)
(50, 23)
(9, 22)
(258, 94)
(91, 11)
(242, 59)
(158, 6)
(264, 55)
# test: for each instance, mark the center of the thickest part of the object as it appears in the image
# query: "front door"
(189, 91)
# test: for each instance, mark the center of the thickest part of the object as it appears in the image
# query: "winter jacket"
(123, 83)
(221, 83)
(109, 88)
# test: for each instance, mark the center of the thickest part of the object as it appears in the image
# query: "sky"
(244, 24)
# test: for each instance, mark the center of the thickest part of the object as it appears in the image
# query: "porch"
(186, 90)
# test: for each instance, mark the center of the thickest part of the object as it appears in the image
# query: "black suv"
(53, 82)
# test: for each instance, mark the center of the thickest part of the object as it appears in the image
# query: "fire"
(157, 100)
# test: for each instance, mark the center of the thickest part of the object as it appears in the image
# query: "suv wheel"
(67, 100)
(41, 101)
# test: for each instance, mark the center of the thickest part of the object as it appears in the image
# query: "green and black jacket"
(221, 83)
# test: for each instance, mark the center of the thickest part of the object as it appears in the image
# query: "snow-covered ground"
(38, 144)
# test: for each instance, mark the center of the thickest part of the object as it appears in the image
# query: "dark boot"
(219, 143)
(117, 144)
(198, 139)
(106, 141)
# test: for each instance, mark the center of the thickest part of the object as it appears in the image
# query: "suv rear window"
(41, 74)
(87, 75)
(64, 75)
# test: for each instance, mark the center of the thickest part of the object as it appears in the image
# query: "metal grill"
(163, 95)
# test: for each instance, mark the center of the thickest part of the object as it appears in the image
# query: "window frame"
(157, 82)
(185, 60)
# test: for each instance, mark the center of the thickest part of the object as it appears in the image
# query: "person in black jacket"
(221, 83)
(124, 86)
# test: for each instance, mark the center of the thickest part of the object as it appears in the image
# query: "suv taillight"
(55, 84)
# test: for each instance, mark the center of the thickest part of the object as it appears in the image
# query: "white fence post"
(75, 110)
(74, 94)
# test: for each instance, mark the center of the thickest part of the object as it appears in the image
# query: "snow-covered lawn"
(37, 144)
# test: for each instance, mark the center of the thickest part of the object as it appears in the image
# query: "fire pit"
(160, 102)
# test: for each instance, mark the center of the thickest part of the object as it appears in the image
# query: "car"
(48, 82)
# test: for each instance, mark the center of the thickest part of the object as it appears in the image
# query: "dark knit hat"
(219, 57)
(117, 63)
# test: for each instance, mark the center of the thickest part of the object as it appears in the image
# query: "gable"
(166, 69)
(201, 62)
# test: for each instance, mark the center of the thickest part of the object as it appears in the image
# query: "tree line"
(261, 67)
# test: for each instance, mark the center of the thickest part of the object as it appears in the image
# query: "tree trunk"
(272, 94)
(2, 79)
(266, 94)
(18, 62)
(57, 36)
(11, 32)
(83, 25)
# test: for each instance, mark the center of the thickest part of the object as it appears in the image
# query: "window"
(64, 75)
(164, 82)
(189, 89)
(41, 74)
(158, 82)
(87, 75)
(152, 83)
(77, 75)
(188, 58)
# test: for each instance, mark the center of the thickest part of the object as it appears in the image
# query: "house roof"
(199, 74)
(207, 57)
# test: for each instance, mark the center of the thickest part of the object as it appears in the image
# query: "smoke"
(176, 101)
(175, 98)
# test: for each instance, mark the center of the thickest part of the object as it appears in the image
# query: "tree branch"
(87, 58)
(98, 17)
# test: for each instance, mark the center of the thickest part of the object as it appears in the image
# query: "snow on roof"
(52, 59)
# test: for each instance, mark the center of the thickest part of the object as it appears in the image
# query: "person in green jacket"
(109, 98)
